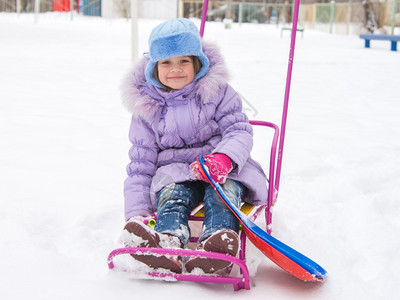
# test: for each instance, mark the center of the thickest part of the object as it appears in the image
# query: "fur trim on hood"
(141, 105)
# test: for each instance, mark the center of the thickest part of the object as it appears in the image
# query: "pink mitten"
(219, 165)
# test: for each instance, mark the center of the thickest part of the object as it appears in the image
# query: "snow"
(64, 149)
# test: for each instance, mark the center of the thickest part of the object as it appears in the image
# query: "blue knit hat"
(173, 38)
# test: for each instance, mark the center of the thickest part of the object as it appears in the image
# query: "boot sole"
(224, 242)
(153, 261)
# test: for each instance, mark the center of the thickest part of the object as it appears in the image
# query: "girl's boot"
(137, 234)
(222, 241)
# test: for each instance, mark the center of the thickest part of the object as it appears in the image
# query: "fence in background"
(350, 17)
(339, 18)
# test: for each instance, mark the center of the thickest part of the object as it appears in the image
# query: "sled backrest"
(272, 187)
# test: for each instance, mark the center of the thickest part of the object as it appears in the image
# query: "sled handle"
(203, 17)
(287, 91)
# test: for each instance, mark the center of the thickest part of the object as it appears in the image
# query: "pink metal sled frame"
(242, 281)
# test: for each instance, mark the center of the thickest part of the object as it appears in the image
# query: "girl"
(182, 106)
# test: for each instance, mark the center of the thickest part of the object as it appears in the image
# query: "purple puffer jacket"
(169, 129)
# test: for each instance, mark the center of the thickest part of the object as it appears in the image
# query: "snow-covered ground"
(64, 150)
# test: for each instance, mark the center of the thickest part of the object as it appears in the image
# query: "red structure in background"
(64, 5)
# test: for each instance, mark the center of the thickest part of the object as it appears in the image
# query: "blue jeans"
(176, 201)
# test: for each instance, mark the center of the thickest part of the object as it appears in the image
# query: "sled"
(241, 281)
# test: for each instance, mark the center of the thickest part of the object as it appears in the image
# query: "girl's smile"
(176, 72)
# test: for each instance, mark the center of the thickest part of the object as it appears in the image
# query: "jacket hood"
(141, 105)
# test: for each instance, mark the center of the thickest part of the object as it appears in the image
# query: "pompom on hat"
(173, 38)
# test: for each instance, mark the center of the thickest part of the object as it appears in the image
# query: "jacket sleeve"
(236, 131)
(142, 167)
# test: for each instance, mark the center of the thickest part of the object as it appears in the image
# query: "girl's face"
(176, 72)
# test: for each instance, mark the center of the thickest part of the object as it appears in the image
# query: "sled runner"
(284, 256)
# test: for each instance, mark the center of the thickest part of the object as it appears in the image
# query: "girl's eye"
(166, 62)
(185, 61)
